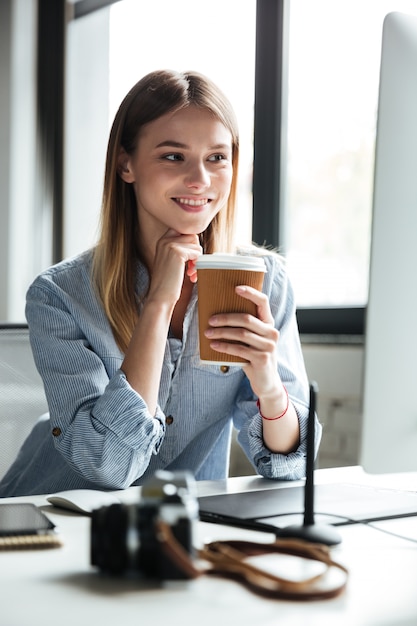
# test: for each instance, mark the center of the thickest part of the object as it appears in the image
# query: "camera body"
(125, 537)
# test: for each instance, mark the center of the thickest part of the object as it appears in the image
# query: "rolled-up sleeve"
(99, 423)
(247, 419)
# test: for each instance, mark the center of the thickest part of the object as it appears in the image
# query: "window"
(326, 126)
(333, 77)
(131, 39)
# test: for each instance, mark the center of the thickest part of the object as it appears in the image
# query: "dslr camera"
(126, 538)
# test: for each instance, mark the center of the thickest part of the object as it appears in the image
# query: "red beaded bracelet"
(271, 419)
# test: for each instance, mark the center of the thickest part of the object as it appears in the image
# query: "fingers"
(189, 249)
(185, 249)
(228, 324)
(175, 254)
(252, 340)
(258, 298)
(257, 337)
(241, 334)
(263, 324)
(191, 271)
(187, 245)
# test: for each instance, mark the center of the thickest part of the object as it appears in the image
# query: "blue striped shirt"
(99, 433)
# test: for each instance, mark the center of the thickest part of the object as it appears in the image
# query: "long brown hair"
(116, 254)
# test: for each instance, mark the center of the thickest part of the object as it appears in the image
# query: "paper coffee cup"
(218, 275)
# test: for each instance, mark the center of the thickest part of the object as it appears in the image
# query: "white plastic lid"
(230, 261)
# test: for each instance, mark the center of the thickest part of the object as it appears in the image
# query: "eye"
(174, 156)
(216, 158)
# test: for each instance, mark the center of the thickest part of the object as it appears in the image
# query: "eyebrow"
(177, 144)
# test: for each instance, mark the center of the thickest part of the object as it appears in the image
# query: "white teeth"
(191, 202)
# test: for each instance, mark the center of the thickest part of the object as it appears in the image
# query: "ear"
(123, 167)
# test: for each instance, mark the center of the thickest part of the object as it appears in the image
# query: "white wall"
(25, 225)
(5, 79)
(21, 247)
(338, 371)
(87, 114)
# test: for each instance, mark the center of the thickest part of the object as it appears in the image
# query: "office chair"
(22, 397)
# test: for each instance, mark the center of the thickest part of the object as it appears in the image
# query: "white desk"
(59, 586)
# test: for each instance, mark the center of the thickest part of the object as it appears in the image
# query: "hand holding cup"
(218, 277)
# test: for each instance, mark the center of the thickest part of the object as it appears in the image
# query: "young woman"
(114, 330)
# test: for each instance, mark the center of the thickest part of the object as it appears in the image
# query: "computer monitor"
(389, 430)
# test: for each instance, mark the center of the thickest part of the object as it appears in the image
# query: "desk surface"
(60, 586)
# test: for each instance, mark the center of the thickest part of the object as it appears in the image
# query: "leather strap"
(232, 559)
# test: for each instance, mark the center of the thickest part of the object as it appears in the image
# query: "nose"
(197, 175)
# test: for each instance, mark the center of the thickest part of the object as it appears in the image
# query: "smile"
(193, 202)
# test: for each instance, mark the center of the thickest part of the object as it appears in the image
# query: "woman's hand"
(258, 344)
(174, 255)
(257, 337)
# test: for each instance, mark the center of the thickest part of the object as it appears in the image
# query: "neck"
(147, 251)
(180, 308)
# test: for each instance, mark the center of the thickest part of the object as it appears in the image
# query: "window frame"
(272, 32)
(271, 91)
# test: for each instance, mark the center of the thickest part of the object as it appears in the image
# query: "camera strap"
(237, 560)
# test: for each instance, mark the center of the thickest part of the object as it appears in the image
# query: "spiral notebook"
(23, 525)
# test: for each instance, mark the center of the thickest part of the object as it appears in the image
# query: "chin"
(195, 229)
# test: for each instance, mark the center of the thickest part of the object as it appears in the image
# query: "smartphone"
(22, 524)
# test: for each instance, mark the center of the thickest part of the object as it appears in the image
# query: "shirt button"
(169, 420)
(56, 431)
(224, 369)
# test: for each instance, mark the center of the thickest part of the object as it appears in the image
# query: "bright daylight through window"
(333, 77)
(192, 37)
(334, 60)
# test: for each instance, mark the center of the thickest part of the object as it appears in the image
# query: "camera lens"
(128, 538)
(109, 527)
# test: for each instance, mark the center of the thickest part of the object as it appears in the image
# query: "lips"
(192, 202)
(192, 205)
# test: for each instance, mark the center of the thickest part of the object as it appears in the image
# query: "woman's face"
(181, 172)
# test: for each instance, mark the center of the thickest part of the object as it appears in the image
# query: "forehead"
(190, 124)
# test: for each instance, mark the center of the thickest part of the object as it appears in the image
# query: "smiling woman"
(181, 181)
(131, 40)
(114, 330)
(164, 107)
